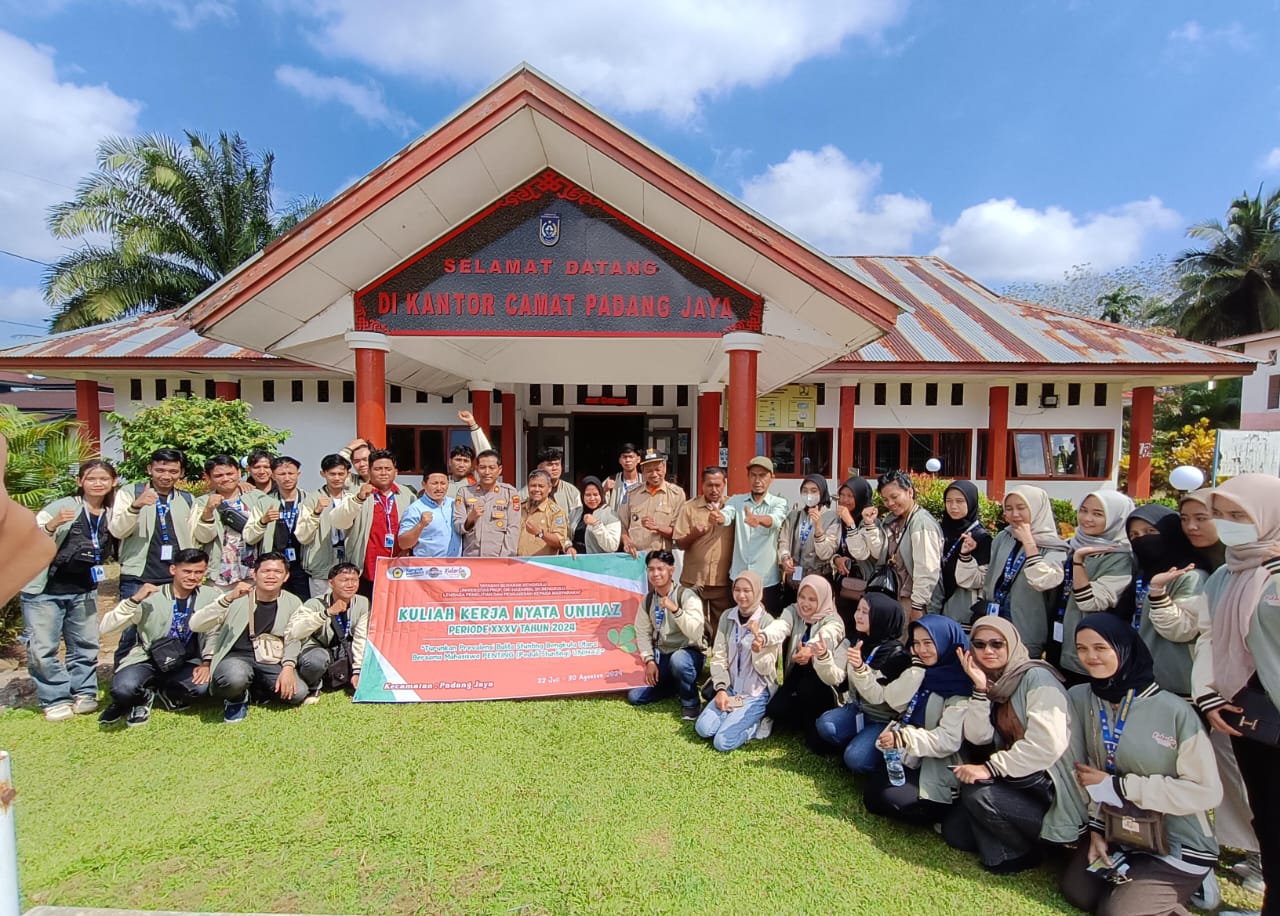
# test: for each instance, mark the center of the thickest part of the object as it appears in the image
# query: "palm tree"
(44, 455)
(1232, 287)
(159, 223)
(1120, 306)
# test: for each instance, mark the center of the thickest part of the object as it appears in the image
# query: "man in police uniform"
(486, 515)
(545, 528)
(649, 515)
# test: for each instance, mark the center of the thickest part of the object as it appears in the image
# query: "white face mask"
(810, 499)
(1236, 534)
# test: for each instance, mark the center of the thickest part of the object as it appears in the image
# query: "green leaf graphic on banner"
(615, 637)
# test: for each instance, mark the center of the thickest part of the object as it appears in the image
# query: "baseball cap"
(760, 461)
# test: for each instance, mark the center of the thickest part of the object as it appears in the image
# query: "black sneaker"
(112, 714)
(141, 714)
(173, 700)
(690, 713)
(235, 711)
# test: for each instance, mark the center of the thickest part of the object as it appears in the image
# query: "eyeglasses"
(996, 644)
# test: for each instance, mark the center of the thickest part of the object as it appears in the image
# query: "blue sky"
(1014, 144)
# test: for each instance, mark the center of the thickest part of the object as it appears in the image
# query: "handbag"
(338, 675)
(852, 588)
(885, 580)
(1135, 828)
(167, 653)
(268, 648)
(231, 518)
(1260, 720)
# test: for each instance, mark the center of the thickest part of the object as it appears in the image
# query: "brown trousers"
(1156, 889)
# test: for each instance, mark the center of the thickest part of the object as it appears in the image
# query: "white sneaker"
(1250, 873)
(1209, 897)
(58, 712)
(763, 730)
(311, 700)
(83, 705)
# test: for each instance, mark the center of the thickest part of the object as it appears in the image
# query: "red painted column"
(744, 349)
(997, 441)
(848, 397)
(226, 391)
(482, 404)
(509, 435)
(709, 399)
(371, 385)
(1141, 429)
(87, 413)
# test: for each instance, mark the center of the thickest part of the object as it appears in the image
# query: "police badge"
(549, 228)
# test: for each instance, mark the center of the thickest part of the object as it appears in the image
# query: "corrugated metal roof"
(160, 336)
(954, 319)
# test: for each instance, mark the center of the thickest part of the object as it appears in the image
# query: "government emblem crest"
(549, 228)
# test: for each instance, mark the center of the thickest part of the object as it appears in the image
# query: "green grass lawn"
(582, 805)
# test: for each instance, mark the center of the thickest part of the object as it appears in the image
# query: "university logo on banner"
(489, 629)
(549, 228)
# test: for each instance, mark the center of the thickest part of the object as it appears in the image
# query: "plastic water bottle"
(893, 765)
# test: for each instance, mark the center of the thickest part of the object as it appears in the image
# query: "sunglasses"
(988, 643)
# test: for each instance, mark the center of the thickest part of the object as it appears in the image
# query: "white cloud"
(50, 137)
(366, 99)
(1001, 241)
(1271, 161)
(1192, 34)
(832, 203)
(188, 14)
(664, 55)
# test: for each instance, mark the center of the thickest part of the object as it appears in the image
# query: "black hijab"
(1136, 671)
(1168, 547)
(953, 528)
(824, 495)
(860, 487)
(579, 532)
(886, 620)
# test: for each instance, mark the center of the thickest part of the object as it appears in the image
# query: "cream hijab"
(1043, 527)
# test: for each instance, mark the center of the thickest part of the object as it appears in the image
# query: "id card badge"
(993, 609)
(797, 574)
(1057, 631)
(389, 542)
(860, 721)
(291, 555)
(166, 551)
(97, 574)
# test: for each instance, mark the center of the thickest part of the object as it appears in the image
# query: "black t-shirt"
(264, 618)
(68, 576)
(157, 570)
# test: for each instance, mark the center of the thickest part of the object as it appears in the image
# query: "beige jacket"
(681, 628)
(311, 625)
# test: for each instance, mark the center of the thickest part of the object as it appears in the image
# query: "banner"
(492, 629)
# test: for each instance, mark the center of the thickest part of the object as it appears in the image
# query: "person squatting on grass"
(167, 661)
(245, 648)
(743, 680)
(327, 635)
(669, 638)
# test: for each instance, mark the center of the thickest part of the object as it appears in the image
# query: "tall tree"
(1120, 306)
(159, 222)
(1231, 287)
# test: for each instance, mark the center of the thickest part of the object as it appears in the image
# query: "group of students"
(978, 683)
(1112, 695)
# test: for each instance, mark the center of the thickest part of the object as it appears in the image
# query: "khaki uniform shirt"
(497, 531)
(706, 560)
(547, 517)
(663, 506)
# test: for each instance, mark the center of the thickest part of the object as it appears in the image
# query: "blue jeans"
(677, 673)
(129, 635)
(732, 729)
(51, 619)
(839, 727)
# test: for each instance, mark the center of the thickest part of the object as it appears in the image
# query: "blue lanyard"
(1141, 588)
(659, 613)
(911, 707)
(805, 531)
(180, 629)
(94, 523)
(162, 518)
(344, 621)
(1110, 739)
(1066, 586)
(289, 515)
(955, 545)
(1012, 566)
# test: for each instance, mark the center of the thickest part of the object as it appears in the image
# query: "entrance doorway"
(597, 438)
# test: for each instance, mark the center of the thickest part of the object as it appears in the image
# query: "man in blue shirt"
(427, 525)
(757, 518)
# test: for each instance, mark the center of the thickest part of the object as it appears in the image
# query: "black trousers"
(131, 682)
(901, 803)
(1259, 764)
(237, 674)
(1153, 889)
(798, 703)
(1001, 820)
(771, 598)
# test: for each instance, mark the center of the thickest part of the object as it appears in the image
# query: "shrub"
(44, 456)
(201, 427)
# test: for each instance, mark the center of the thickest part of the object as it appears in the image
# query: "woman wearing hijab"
(1026, 568)
(813, 661)
(1026, 790)
(1151, 777)
(1101, 569)
(810, 535)
(743, 680)
(874, 659)
(852, 500)
(929, 730)
(1166, 595)
(914, 546)
(593, 526)
(1237, 664)
(1196, 511)
(962, 531)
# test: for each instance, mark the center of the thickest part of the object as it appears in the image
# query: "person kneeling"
(1026, 790)
(166, 661)
(669, 638)
(327, 636)
(744, 681)
(915, 784)
(245, 647)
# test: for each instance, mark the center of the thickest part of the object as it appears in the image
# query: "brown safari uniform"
(497, 531)
(547, 517)
(663, 506)
(707, 560)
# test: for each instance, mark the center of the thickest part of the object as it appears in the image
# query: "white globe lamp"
(1186, 478)
(933, 465)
